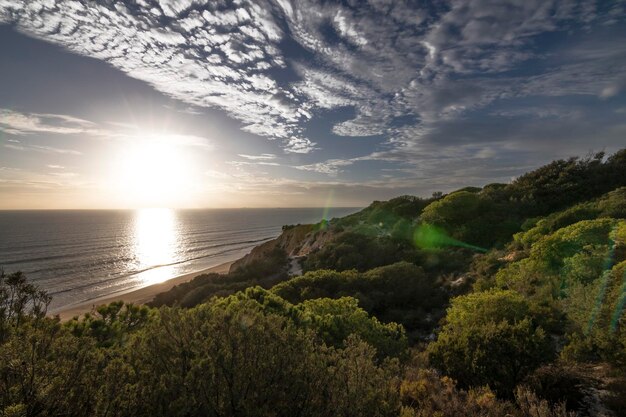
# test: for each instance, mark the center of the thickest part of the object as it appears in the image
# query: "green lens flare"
(427, 236)
(323, 224)
(619, 308)
(599, 301)
(606, 274)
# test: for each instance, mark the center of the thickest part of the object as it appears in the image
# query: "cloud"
(415, 74)
(207, 55)
(64, 174)
(560, 112)
(262, 157)
(299, 145)
(392, 61)
(174, 139)
(16, 182)
(16, 123)
(614, 88)
(252, 163)
(219, 175)
(44, 149)
(332, 167)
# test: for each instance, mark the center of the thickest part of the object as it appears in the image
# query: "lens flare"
(430, 237)
(323, 224)
(619, 307)
(606, 274)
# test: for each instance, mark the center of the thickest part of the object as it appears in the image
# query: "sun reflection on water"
(156, 243)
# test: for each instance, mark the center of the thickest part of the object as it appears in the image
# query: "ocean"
(82, 255)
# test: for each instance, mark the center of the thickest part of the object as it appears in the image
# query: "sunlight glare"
(153, 172)
(156, 243)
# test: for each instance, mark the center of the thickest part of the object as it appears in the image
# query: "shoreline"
(140, 295)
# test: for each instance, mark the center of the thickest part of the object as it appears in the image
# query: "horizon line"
(177, 208)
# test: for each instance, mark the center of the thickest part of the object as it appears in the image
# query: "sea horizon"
(182, 208)
(80, 255)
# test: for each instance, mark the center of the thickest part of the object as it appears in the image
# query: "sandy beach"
(141, 295)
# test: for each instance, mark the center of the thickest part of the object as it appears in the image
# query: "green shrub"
(490, 338)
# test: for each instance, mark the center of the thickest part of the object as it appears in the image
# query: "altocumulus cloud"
(410, 70)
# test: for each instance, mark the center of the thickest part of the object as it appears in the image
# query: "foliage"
(565, 383)
(597, 318)
(611, 205)
(557, 262)
(579, 270)
(272, 264)
(19, 301)
(44, 370)
(425, 393)
(262, 272)
(566, 182)
(333, 320)
(212, 360)
(227, 357)
(532, 406)
(383, 232)
(110, 324)
(400, 292)
(490, 217)
(336, 320)
(484, 267)
(454, 213)
(352, 250)
(474, 218)
(490, 338)
(41, 363)
(384, 214)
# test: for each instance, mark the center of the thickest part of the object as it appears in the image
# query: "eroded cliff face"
(297, 242)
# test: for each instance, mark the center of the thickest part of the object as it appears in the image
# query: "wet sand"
(141, 295)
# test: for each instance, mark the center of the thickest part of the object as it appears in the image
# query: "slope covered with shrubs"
(506, 300)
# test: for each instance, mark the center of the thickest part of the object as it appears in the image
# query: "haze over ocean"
(80, 255)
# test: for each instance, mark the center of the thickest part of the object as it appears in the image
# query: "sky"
(278, 103)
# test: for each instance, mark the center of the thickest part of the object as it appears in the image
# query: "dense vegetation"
(401, 293)
(506, 300)
(265, 273)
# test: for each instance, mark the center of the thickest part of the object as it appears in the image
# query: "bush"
(250, 354)
(332, 320)
(490, 338)
(352, 250)
(400, 292)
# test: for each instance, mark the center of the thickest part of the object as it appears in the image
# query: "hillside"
(505, 300)
(464, 222)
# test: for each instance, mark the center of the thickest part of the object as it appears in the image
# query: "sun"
(153, 172)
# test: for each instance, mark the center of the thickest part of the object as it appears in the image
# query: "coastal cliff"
(296, 241)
